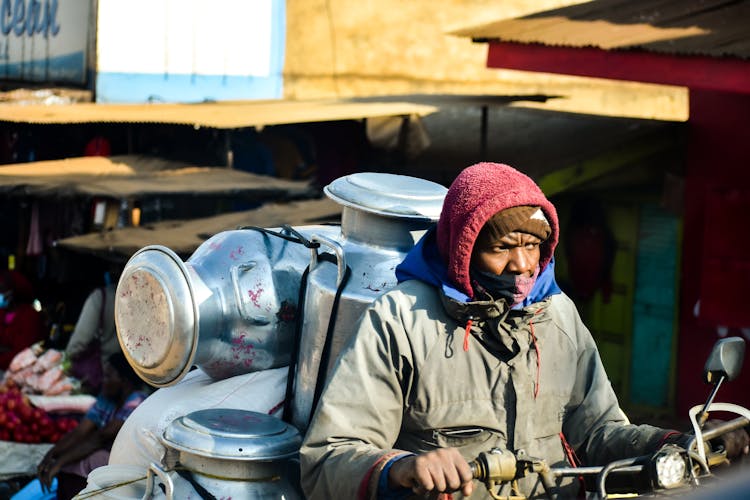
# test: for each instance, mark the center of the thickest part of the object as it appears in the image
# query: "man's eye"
(499, 249)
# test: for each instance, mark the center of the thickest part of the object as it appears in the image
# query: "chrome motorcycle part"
(670, 467)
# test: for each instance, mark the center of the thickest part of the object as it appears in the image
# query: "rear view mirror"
(725, 360)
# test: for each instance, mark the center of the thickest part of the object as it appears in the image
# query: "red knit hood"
(478, 193)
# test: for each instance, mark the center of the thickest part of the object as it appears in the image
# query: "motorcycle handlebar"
(497, 466)
(723, 428)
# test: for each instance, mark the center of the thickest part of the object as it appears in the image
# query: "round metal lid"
(233, 434)
(389, 194)
(155, 315)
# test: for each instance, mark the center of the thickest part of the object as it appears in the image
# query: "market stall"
(184, 236)
(39, 403)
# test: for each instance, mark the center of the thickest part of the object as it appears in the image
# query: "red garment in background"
(19, 328)
(97, 146)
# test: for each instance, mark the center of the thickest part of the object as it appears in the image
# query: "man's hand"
(438, 471)
(46, 471)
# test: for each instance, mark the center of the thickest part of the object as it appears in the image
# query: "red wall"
(716, 247)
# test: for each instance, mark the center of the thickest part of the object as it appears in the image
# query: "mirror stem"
(703, 415)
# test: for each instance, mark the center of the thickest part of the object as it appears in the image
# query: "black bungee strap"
(297, 237)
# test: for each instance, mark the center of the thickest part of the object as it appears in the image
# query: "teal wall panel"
(654, 307)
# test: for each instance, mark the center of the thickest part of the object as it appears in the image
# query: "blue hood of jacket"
(423, 263)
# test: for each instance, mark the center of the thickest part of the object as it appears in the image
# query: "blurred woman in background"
(20, 324)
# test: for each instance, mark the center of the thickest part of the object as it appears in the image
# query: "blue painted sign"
(44, 40)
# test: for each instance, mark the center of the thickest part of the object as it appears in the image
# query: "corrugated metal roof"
(138, 176)
(717, 28)
(221, 115)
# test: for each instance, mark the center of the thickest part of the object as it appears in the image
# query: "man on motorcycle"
(476, 348)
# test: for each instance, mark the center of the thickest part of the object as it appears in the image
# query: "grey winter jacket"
(410, 381)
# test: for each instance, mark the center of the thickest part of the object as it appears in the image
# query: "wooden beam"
(613, 159)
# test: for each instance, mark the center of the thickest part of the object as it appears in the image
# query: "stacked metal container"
(254, 299)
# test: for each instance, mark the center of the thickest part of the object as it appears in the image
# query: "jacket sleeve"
(87, 325)
(594, 425)
(359, 416)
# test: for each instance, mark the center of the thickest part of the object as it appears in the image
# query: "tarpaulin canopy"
(220, 115)
(184, 236)
(138, 176)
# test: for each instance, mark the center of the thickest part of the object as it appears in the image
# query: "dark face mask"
(513, 288)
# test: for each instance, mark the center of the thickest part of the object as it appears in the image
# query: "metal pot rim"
(233, 434)
(389, 195)
(162, 270)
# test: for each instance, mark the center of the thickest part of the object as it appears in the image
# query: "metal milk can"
(230, 309)
(382, 218)
(236, 453)
(254, 299)
(213, 453)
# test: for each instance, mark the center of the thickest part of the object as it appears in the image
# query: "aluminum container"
(237, 453)
(232, 307)
(383, 216)
(225, 453)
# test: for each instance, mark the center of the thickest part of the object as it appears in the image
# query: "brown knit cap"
(524, 219)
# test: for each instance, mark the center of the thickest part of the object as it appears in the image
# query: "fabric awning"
(184, 236)
(137, 176)
(220, 115)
